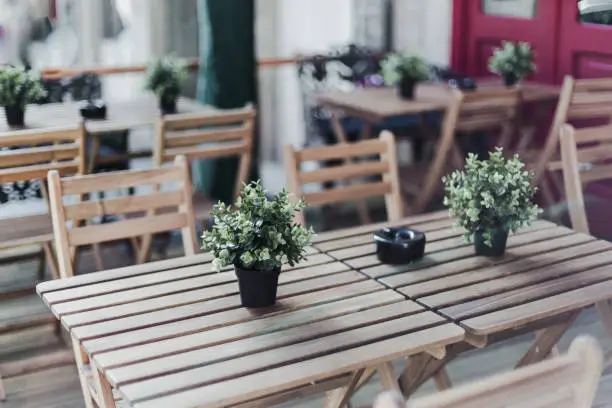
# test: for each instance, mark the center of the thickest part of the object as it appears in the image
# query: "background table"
(172, 333)
(121, 115)
(548, 275)
(376, 104)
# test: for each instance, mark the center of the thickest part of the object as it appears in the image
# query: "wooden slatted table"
(548, 275)
(172, 333)
(121, 114)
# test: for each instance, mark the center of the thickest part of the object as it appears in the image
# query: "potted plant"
(165, 77)
(18, 87)
(405, 71)
(513, 61)
(491, 198)
(257, 236)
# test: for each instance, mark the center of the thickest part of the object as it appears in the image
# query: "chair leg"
(98, 259)
(51, 260)
(2, 390)
(40, 272)
(81, 360)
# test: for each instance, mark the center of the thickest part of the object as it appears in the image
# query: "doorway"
(569, 36)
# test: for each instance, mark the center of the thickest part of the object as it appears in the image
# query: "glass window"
(595, 11)
(510, 8)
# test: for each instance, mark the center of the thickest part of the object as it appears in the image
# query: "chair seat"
(34, 229)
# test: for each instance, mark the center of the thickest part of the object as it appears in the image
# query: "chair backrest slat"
(93, 234)
(350, 170)
(568, 381)
(349, 193)
(214, 134)
(123, 205)
(116, 180)
(156, 212)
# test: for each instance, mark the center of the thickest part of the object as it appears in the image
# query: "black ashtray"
(93, 109)
(398, 246)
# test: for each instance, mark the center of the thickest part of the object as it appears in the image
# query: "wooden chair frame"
(231, 135)
(38, 151)
(60, 149)
(67, 240)
(568, 381)
(595, 155)
(386, 167)
(579, 99)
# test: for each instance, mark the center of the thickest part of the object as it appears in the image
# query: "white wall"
(286, 28)
(424, 27)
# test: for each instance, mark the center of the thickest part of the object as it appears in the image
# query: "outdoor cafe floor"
(59, 387)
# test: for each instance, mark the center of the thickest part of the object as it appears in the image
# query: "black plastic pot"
(257, 288)
(510, 79)
(167, 104)
(498, 241)
(406, 88)
(14, 115)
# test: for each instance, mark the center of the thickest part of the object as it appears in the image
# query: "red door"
(484, 24)
(585, 47)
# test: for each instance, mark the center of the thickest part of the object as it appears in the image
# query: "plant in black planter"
(18, 87)
(405, 71)
(165, 77)
(513, 61)
(258, 236)
(491, 198)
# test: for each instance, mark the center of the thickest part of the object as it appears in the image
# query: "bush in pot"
(513, 61)
(258, 236)
(405, 71)
(166, 77)
(18, 88)
(491, 198)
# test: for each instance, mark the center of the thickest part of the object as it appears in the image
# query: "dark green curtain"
(227, 77)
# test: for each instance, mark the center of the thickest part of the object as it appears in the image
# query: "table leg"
(82, 359)
(340, 397)
(545, 341)
(105, 390)
(442, 380)
(386, 373)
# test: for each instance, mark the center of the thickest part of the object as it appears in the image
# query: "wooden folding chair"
(494, 112)
(29, 156)
(147, 206)
(214, 134)
(586, 157)
(579, 100)
(385, 166)
(568, 381)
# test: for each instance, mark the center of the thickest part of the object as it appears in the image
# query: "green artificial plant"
(19, 87)
(489, 195)
(166, 77)
(396, 66)
(259, 233)
(513, 58)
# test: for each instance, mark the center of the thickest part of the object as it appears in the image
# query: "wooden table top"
(172, 333)
(379, 103)
(547, 271)
(121, 115)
